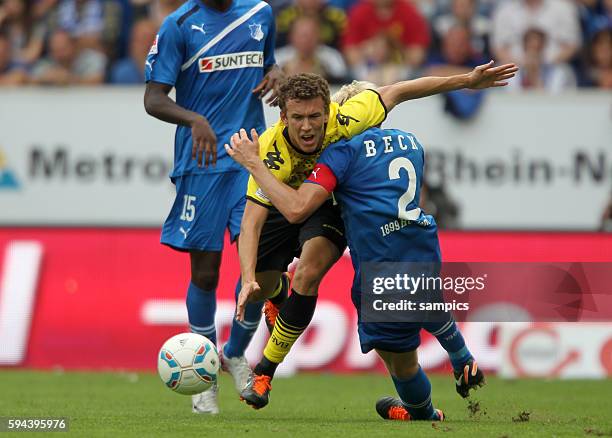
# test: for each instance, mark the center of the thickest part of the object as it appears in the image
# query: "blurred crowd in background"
(559, 44)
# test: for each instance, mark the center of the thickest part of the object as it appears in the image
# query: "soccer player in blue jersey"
(309, 123)
(376, 178)
(219, 56)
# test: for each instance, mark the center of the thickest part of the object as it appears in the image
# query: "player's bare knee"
(310, 272)
(307, 278)
(205, 280)
(205, 269)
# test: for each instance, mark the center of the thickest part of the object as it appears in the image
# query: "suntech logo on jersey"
(231, 61)
(7, 177)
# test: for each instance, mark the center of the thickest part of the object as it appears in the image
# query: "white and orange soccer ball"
(188, 363)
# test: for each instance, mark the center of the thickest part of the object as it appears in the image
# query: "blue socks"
(201, 307)
(243, 331)
(450, 338)
(415, 393)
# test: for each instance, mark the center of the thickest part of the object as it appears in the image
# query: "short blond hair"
(350, 90)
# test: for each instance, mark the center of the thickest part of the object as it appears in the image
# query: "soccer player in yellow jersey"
(268, 242)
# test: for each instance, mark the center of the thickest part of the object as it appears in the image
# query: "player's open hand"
(204, 142)
(485, 75)
(244, 150)
(250, 292)
(269, 85)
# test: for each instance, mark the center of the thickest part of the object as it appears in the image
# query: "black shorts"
(281, 241)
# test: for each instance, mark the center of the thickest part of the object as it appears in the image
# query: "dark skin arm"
(269, 84)
(158, 104)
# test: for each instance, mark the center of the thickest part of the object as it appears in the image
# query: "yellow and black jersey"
(291, 166)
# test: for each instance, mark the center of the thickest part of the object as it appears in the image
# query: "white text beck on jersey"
(390, 141)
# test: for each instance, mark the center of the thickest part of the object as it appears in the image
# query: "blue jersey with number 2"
(376, 177)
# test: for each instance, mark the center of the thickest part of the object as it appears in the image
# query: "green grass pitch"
(129, 404)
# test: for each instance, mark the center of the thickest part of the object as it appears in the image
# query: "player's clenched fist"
(244, 150)
(204, 142)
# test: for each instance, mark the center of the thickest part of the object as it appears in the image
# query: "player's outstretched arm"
(295, 205)
(252, 223)
(158, 104)
(483, 76)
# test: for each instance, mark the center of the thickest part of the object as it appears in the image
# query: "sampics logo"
(231, 61)
(7, 177)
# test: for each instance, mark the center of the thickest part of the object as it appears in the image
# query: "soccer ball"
(188, 363)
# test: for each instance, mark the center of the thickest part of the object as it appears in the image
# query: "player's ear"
(283, 116)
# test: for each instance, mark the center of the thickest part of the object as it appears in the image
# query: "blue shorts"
(205, 206)
(396, 337)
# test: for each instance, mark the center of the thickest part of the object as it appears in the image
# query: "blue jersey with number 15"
(214, 60)
(376, 177)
